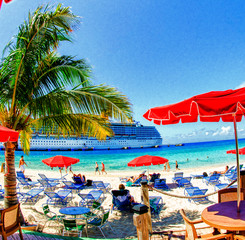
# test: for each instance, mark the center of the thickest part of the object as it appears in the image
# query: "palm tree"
(42, 88)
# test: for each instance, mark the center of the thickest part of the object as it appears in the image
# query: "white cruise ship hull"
(92, 144)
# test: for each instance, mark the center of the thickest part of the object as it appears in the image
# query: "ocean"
(190, 155)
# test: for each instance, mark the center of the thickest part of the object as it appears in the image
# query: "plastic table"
(74, 211)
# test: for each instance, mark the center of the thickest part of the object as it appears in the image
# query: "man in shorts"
(21, 164)
(97, 168)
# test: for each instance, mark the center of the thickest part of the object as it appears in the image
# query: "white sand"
(123, 222)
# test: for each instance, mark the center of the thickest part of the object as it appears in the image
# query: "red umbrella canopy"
(241, 151)
(210, 107)
(147, 160)
(60, 161)
(7, 134)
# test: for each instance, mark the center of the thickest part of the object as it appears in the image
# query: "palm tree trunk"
(10, 196)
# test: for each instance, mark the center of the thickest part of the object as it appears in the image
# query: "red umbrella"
(7, 134)
(147, 160)
(60, 161)
(229, 106)
(241, 151)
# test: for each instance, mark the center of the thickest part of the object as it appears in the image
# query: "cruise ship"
(126, 136)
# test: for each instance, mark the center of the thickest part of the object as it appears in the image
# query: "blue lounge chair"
(32, 196)
(161, 184)
(232, 177)
(198, 192)
(189, 190)
(58, 198)
(120, 200)
(48, 186)
(73, 186)
(91, 197)
(105, 187)
(177, 176)
(27, 184)
(213, 179)
(184, 182)
(22, 175)
(43, 176)
(156, 204)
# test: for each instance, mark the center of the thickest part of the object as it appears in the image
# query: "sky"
(156, 52)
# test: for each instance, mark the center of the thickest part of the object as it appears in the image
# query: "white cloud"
(241, 85)
(224, 131)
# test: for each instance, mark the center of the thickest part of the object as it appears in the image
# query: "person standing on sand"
(21, 164)
(165, 167)
(97, 168)
(103, 168)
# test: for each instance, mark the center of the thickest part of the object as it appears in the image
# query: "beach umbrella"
(241, 151)
(7, 134)
(228, 106)
(60, 161)
(147, 160)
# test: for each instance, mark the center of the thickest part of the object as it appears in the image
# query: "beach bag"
(89, 183)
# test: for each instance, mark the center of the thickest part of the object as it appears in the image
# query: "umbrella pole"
(238, 166)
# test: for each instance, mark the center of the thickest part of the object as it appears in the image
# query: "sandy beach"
(122, 223)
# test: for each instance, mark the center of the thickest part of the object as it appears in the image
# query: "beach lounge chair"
(232, 177)
(161, 184)
(120, 200)
(48, 186)
(27, 184)
(32, 196)
(189, 190)
(197, 192)
(73, 186)
(101, 221)
(184, 182)
(20, 174)
(91, 198)
(213, 179)
(191, 232)
(156, 204)
(71, 226)
(105, 187)
(10, 222)
(177, 176)
(43, 176)
(59, 198)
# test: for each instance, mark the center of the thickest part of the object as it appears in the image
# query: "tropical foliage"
(39, 87)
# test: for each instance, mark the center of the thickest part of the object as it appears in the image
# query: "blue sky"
(156, 52)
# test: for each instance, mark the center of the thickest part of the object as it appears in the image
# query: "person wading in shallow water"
(176, 165)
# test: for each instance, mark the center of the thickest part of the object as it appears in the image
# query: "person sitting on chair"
(220, 172)
(133, 179)
(122, 198)
(82, 178)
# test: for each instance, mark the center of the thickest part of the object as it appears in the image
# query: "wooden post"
(145, 198)
(242, 179)
(141, 223)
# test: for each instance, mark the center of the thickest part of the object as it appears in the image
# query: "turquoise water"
(198, 155)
